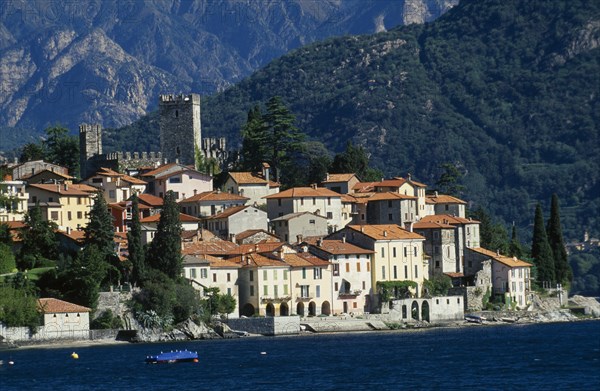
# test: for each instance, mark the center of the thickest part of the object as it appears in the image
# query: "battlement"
(134, 156)
(178, 98)
(84, 128)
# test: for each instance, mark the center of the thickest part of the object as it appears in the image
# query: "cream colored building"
(116, 187)
(210, 203)
(310, 279)
(67, 205)
(253, 185)
(398, 254)
(13, 201)
(64, 320)
(350, 274)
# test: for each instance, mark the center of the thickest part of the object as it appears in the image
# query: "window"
(383, 252)
(354, 305)
(69, 215)
(329, 215)
(96, 180)
(383, 272)
(514, 286)
(285, 289)
(390, 218)
(416, 271)
(512, 271)
(415, 251)
(368, 266)
(301, 201)
(214, 277)
(228, 277)
(304, 291)
(394, 252)
(311, 221)
(364, 285)
(175, 179)
(303, 273)
(470, 263)
(520, 273)
(317, 273)
(336, 287)
(79, 215)
(275, 275)
(264, 275)
(405, 252)
(112, 194)
(251, 290)
(358, 266)
(437, 264)
(229, 291)
(395, 272)
(251, 276)
(265, 290)
(389, 203)
(54, 216)
(314, 201)
(336, 269)
(405, 272)
(193, 272)
(203, 273)
(276, 291)
(279, 202)
(285, 277)
(318, 291)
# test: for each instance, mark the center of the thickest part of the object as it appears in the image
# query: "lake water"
(559, 356)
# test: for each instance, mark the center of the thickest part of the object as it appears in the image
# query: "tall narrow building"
(90, 147)
(180, 128)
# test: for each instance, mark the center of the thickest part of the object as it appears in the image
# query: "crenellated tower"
(90, 146)
(180, 128)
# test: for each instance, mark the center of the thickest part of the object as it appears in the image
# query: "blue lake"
(557, 356)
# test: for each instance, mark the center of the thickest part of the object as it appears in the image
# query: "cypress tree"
(540, 249)
(165, 250)
(562, 268)
(100, 231)
(254, 142)
(39, 241)
(514, 247)
(134, 243)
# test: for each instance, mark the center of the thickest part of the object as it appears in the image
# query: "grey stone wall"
(283, 325)
(180, 127)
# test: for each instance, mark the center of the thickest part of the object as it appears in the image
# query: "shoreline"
(62, 344)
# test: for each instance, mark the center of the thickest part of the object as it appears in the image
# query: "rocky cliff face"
(106, 61)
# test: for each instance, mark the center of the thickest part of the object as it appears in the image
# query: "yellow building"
(13, 201)
(66, 204)
(310, 279)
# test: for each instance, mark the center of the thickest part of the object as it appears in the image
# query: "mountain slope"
(107, 61)
(505, 89)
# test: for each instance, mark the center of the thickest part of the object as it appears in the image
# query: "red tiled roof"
(297, 192)
(505, 260)
(447, 219)
(443, 199)
(64, 190)
(338, 177)
(150, 199)
(228, 212)
(340, 247)
(385, 232)
(51, 306)
(160, 169)
(389, 196)
(214, 196)
(182, 217)
(431, 225)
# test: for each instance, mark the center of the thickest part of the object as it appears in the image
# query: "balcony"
(269, 299)
(350, 293)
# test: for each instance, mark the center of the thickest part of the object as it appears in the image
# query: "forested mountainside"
(506, 90)
(106, 61)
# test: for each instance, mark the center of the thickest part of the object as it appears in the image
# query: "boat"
(173, 357)
(475, 319)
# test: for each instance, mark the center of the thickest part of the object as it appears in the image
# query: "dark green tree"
(562, 269)
(100, 231)
(62, 148)
(7, 259)
(541, 251)
(284, 138)
(450, 180)
(514, 248)
(32, 151)
(39, 241)
(18, 307)
(492, 236)
(254, 141)
(165, 250)
(134, 243)
(227, 304)
(355, 160)
(5, 236)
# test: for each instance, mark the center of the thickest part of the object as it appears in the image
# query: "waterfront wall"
(282, 325)
(43, 333)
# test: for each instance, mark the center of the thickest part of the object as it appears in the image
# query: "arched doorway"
(270, 310)
(312, 309)
(414, 310)
(425, 311)
(326, 308)
(247, 310)
(300, 309)
(284, 310)
(404, 311)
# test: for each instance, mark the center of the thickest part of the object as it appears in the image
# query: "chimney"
(266, 173)
(66, 186)
(256, 247)
(319, 242)
(218, 190)
(436, 193)
(409, 176)
(195, 191)
(384, 233)
(344, 239)
(68, 230)
(299, 238)
(326, 176)
(362, 228)
(313, 185)
(498, 252)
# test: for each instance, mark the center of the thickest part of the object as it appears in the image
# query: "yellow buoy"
(74, 356)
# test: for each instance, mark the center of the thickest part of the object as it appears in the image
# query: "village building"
(350, 274)
(28, 169)
(115, 187)
(236, 219)
(252, 236)
(67, 205)
(150, 225)
(398, 254)
(209, 203)
(64, 320)
(13, 200)
(511, 277)
(150, 204)
(320, 201)
(340, 183)
(310, 279)
(181, 180)
(48, 176)
(442, 204)
(442, 248)
(253, 185)
(293, 227)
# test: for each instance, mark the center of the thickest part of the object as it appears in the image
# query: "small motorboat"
(172, 357)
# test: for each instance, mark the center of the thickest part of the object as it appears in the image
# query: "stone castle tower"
(180, 129)
(90, 146)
